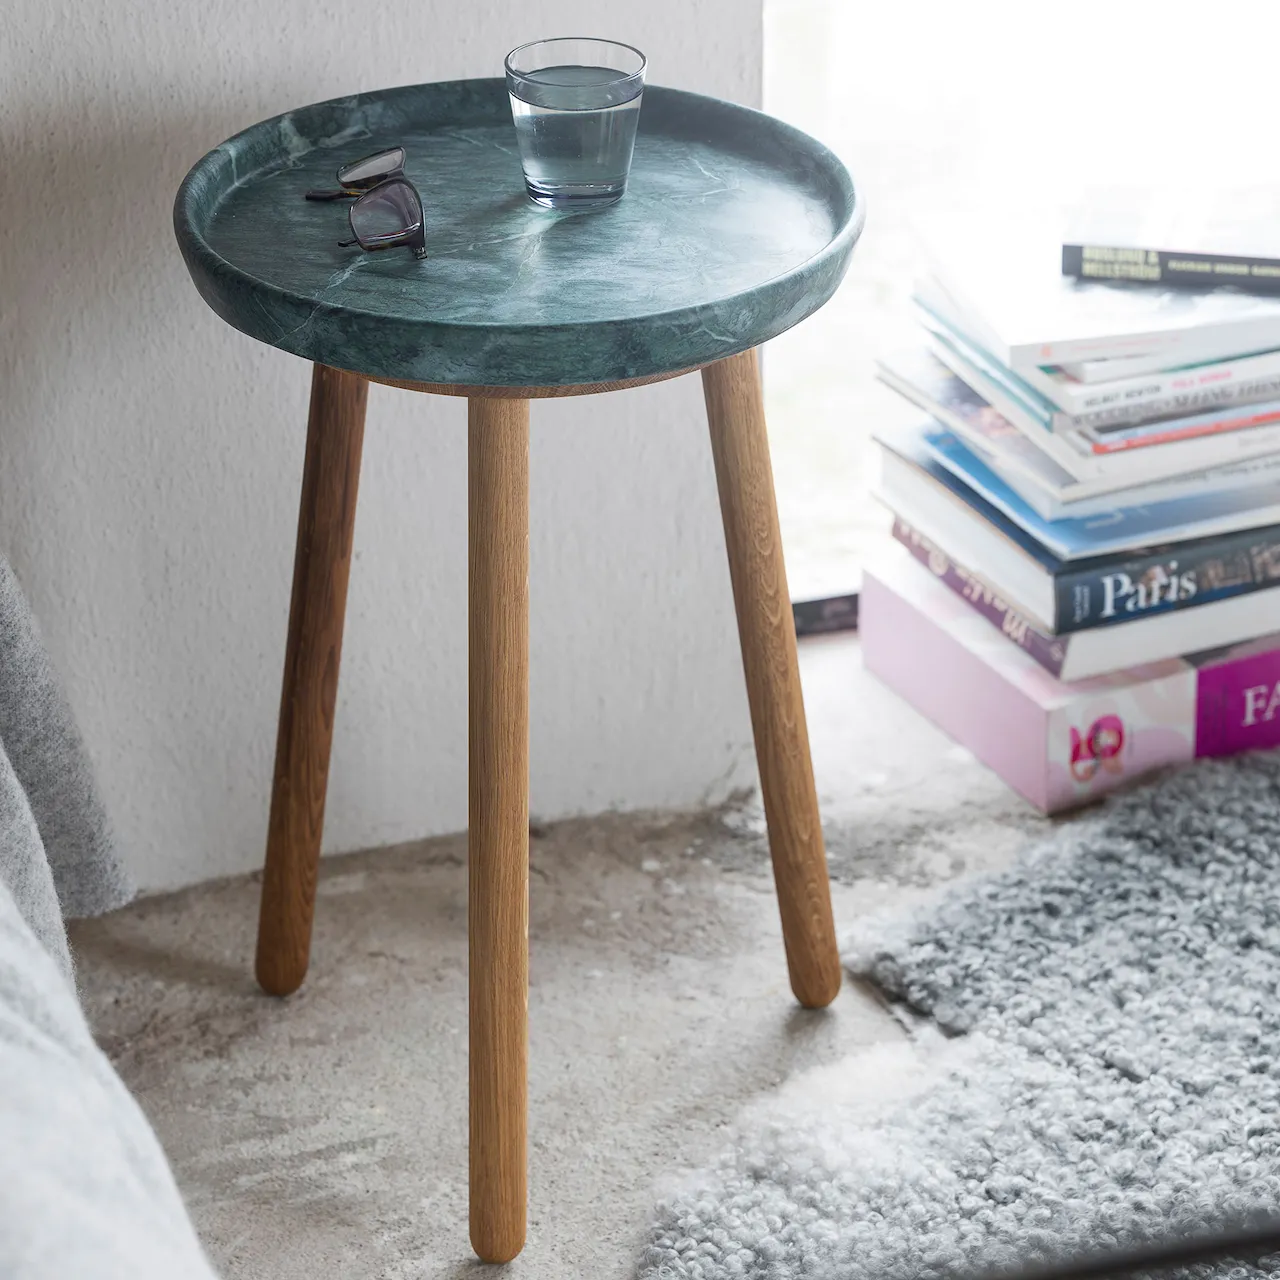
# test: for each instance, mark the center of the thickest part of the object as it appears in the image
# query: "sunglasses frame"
(412, 238)
(348, 190)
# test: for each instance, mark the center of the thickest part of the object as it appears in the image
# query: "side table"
(734, 227)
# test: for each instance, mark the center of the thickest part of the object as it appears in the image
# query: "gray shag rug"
(1103, 1066)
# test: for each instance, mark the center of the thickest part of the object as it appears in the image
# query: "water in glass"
(576, 127)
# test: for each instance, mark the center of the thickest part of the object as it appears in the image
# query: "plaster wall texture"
(151, 457)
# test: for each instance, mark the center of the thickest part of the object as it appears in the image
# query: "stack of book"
(1086, 582)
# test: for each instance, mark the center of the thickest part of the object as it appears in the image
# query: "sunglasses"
(387, 211)
(387, 216)
(361, 175)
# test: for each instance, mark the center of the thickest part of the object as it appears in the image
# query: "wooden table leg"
(321, 567)
(735, 412)
(498, 820)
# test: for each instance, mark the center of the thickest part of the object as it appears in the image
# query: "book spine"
(1238, 705)
(1204, 400)
(967, 695)
(1176, 577)
(1162, 268)
(1141, 437)
(825, 615)
(1122, 393)
(1049, 651)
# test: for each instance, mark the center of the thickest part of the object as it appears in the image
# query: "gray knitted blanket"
(85, 1191)
(56, 854)
(1106, 1068)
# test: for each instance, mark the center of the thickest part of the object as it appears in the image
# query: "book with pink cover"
(1057, 744)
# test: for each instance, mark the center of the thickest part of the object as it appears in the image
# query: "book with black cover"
(1067, 593)
(998, 280)
(826, 615)
(1083, 654)
(1168, 239)
(1181, 267)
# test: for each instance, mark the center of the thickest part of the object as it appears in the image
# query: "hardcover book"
(1231, 238)
(1060, 745)
(1004, 280)
(1143, 638)
(1183, 267)
(825, 615)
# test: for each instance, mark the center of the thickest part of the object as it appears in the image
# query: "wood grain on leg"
(498, 821)
(321, 567)
(766, 629)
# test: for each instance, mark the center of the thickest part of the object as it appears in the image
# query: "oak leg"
(321, 566)
(735, 413)
(498, 820)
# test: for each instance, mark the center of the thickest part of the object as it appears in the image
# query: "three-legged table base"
(498, 812)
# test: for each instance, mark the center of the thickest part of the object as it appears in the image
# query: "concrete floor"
(324, 1137)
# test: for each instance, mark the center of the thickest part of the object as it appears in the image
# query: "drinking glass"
(575, 103)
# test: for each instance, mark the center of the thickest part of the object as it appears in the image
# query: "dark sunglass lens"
(380, 165)
(386, 215)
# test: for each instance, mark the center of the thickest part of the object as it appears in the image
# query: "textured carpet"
(1099, 1066)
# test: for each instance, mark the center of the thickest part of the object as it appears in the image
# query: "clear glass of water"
(575, 103)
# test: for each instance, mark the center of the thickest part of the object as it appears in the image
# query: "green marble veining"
(734, 228)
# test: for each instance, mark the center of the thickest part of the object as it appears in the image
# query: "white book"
(1072, 404)
(1167, 393)
(1187, 219)
(1190, 388)
(1005, 278)
(1141, 369)
(1082, 654)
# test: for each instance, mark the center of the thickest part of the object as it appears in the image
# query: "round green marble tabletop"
(734, 227)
